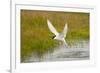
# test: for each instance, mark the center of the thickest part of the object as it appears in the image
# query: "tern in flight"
(58, 36)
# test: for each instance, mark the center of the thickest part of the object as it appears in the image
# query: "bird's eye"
(53, 37)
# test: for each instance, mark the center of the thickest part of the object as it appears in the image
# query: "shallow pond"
(78, 51)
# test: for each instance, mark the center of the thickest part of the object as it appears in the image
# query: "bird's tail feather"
(64, 41)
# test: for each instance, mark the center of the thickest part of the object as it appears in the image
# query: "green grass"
(37, 38)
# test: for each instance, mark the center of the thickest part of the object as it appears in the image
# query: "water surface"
(77, 51)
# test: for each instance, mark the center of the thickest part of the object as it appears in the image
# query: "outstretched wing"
(51, 27)
(65, 30)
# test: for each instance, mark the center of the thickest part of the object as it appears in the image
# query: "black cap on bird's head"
(53, 36)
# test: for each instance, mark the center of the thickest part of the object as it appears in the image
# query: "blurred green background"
(37, 38)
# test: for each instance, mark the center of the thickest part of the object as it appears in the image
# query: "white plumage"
(58, 36)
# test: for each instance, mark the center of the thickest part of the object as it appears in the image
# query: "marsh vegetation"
(36, 37)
